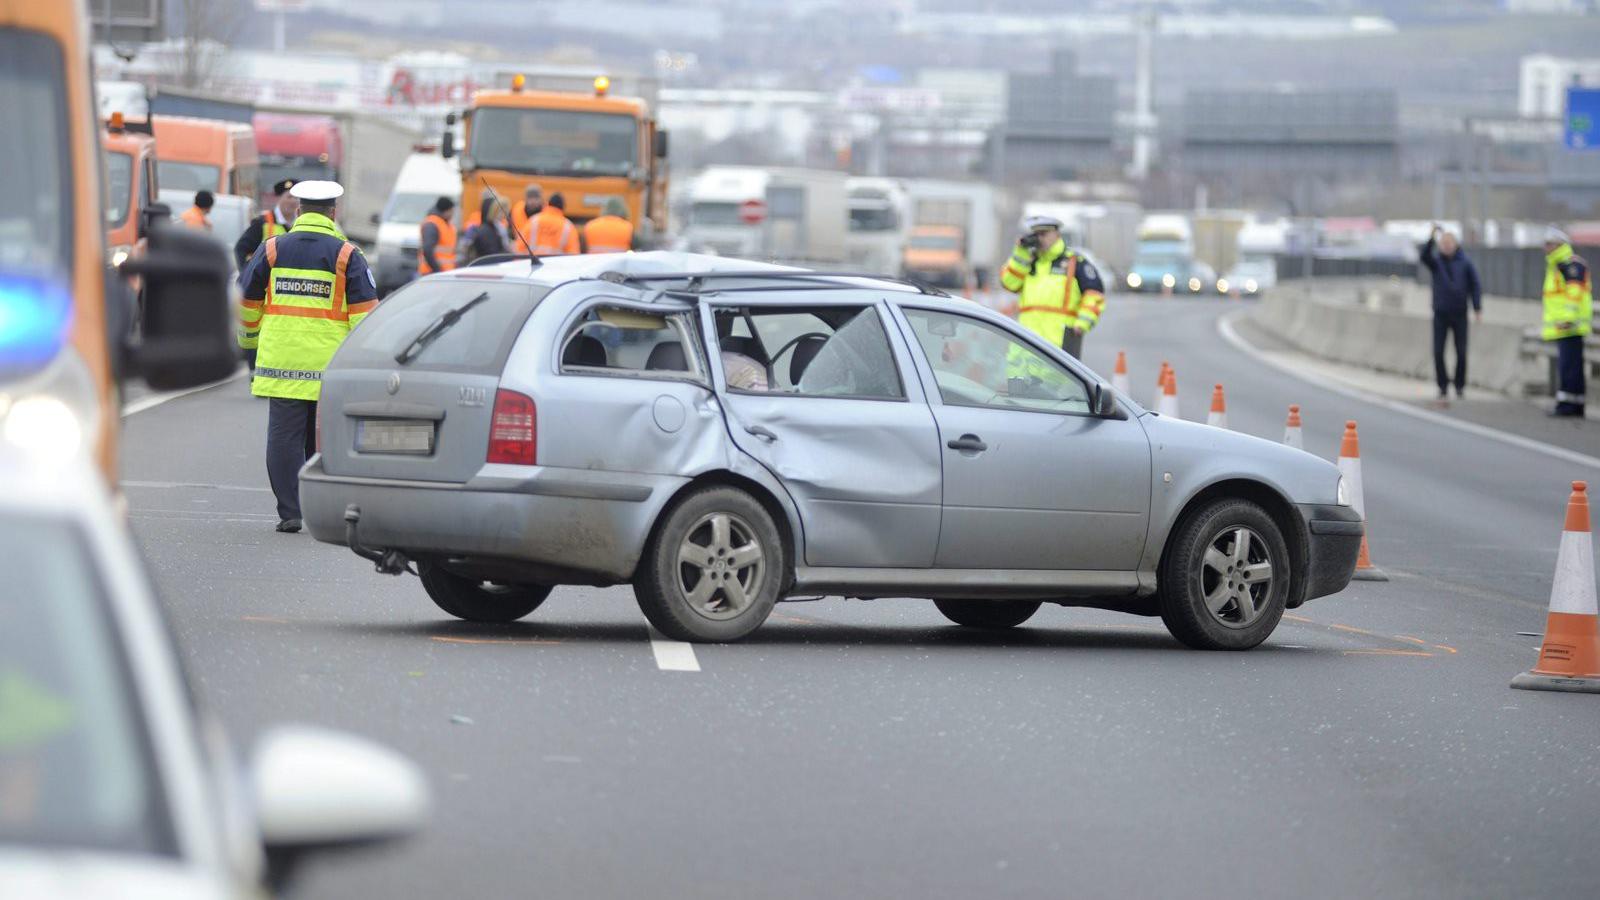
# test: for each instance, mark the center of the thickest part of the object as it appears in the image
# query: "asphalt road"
(855, 749)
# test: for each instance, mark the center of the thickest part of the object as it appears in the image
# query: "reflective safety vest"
(270, 226)
(553, 233)
(1568, 295)
(1050, 297)
(445, 252)
(609, 234)
(520, 226)
(303, 319)
(194, 217)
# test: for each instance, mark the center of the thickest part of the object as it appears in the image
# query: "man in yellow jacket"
(1568, 318)
(1060, 295)
(303, 292)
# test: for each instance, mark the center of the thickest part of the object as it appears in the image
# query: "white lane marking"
(154, 400)
(1231, 335)
(672, 656)
(174, 485)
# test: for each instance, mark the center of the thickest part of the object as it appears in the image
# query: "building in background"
(1060, 125)
(1543, 82)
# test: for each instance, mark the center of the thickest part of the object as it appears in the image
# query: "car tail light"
(513, 430)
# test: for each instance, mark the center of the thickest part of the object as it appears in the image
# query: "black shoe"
(1569, 413)
(289, 526)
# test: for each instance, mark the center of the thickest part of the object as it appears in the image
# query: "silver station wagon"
(724, 435)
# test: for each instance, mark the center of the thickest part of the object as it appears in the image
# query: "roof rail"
(696, 280)
(497, 258)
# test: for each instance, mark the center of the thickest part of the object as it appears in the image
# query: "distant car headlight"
(1168, 280)
(1222, 285)
(1342, 496)
(1194, 284)
(1134, 280)
(1251, 286)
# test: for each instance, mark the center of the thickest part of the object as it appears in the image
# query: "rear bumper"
(1333, 545)
(588, 526)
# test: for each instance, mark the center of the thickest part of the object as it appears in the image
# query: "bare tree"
(205, 29)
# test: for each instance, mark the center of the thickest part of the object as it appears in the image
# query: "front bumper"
(1333, 542)
(588, 526)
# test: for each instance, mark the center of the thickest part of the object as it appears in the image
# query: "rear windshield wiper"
(435, 328)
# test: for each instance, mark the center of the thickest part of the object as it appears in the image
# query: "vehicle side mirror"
(661, 145)
(152, 216)
(187, 325)
(1104, 402)
(317, 790)
(447, 144)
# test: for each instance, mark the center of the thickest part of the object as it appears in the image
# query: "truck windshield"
(554, 141)
(873, 218)
(35, 167)
(185, 176)
(119, 188)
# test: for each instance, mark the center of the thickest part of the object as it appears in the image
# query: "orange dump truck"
(206, 155)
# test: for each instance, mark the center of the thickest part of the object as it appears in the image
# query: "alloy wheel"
(720, 565)
(1236, 576)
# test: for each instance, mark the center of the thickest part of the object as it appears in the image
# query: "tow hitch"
(389, 562)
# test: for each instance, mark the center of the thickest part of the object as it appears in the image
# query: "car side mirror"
(661, 145)
(317, 790)
(186, 332)
(152, 216)
(1104, 402)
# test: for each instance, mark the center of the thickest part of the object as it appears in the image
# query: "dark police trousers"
(1444, 322)
(1072, 342)
(291, 440)
(1570, 374)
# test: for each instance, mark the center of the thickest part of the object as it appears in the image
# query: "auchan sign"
(407, 88)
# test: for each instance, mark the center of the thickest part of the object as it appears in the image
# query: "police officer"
(1568, 318)
(1060, 293)
(274, 221)
(319, 287)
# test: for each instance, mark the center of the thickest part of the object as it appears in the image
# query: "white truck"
(880, 218)
(1104, 230)
(423, 179)
(783, 215)
(972, 207)
(1256, 269)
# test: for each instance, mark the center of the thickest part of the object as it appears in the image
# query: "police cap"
(317, 191)
(1035, 223)
(282, 187)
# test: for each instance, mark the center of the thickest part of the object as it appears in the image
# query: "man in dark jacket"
(1455, 283)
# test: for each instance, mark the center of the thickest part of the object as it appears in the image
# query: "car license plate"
(403, 436)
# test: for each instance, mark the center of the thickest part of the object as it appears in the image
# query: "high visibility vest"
(1568, 295)
(271, 227)
(553, 233)
(521, 232)
(445, 252)
(195, 217)
(609, 234)
(1050, 298)
(303, 319)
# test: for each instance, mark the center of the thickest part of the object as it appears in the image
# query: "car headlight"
(1222, 285)
(1251, 286)
(1342, 495)
(1134, 280)
(54, 414)
(1168, 280)
(1194, 284)
(45, 426)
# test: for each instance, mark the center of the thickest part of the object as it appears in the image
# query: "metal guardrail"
(1503, 271)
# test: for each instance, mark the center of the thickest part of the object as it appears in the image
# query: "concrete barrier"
(1387, 325)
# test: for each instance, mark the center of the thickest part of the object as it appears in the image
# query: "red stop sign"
(751, 212)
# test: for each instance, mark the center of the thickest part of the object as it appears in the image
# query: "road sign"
(751, 212)
(1583, 118)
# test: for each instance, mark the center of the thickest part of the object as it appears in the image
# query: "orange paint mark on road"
(1412, 639)
(1446, 648)
(461, 640)
(1373, 634)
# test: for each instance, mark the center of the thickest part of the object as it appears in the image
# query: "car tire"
(733, 591)
(477, 601)
(1215, 595)
(991, 614)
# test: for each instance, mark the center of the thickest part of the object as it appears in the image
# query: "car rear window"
(479, 342)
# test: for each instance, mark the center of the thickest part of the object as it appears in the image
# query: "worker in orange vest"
(553, 232)
(611, 232)
(521, 236)
(437, 252)
(197, 216)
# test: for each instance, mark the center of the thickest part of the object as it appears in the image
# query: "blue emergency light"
(35, 314)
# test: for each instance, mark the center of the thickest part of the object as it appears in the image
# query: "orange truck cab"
(130, 165)
(936, 255)
(67, 335)
(588, 148)
(206, 155)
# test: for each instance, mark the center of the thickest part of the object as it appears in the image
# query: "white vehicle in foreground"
(111, 783)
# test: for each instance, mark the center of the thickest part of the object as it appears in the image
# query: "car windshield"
(35, 172)
(873, 218)
(409, 209)
(119, 188)
(933, 241)
(554, 141)
(187, 176)
(76, 769)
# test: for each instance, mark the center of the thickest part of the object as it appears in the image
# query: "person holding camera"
(1060, 295)
(1455, 284)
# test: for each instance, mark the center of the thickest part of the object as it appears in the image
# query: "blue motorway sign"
(1583, 118)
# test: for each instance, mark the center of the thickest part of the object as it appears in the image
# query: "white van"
(787, 215)
(423, 179)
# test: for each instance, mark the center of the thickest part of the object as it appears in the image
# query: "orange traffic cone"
(1218, 417)
(1569, 658)
(1161, 383)
(1291, 429)
(1169, 395)
(1350, 467)
(1119, 374)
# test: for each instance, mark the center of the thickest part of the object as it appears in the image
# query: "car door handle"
(968, 443)
(762, 432)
